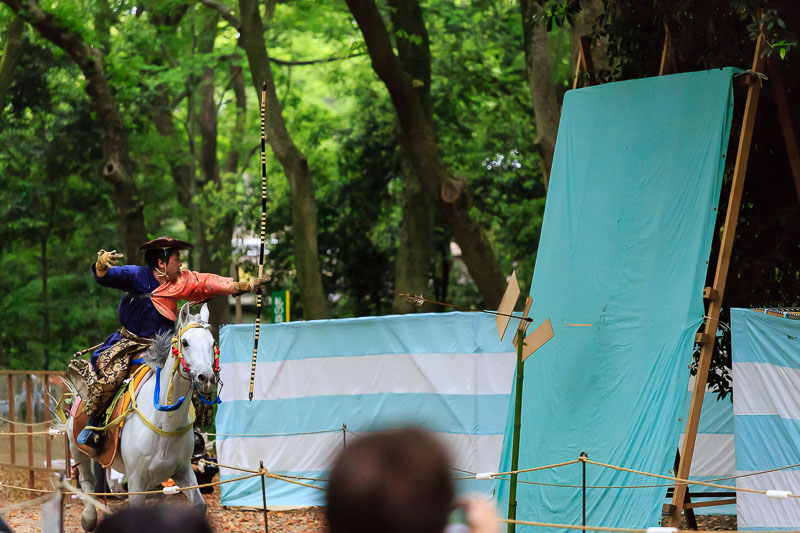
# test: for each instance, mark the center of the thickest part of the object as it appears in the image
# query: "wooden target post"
(525, 346)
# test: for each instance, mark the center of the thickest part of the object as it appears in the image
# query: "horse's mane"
(157, 355)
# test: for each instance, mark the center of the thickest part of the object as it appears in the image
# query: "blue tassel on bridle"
(157, 394)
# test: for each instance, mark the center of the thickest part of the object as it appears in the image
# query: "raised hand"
(106, 260)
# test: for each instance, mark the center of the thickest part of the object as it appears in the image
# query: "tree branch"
(224, 12)
(287, 63)
(234, 21)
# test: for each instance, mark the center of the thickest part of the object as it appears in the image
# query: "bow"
(263, 230)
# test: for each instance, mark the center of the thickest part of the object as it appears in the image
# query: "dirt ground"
(711, 523)
(222, 519)
(310, 519)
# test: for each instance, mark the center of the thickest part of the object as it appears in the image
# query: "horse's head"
(194, 346)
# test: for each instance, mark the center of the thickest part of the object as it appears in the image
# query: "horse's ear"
(183, 316)
(204, 313)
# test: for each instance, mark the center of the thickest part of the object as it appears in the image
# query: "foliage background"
(56, 211)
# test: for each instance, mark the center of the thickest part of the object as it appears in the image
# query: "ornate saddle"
(116, 410)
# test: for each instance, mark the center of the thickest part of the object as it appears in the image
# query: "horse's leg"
(136, 484)
(185, 477)
(86, 478)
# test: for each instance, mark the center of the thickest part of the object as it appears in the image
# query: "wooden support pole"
(584, 63)
(723, 262)
(785, 118)
(667, 54)
(47, 440)
(11, 428)
(29, 420)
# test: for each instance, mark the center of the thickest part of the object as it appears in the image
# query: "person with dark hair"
(168, 518)
(398, 481)
(149, 307)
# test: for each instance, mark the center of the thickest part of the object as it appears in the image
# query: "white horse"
(146, 456)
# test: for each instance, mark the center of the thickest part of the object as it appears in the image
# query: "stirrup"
(91, 437)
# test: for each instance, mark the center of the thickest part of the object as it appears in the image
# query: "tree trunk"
(415, 251)
(539, 70)
(118, 166)
(237, 138)
(451, 196)
(232, 165)
(214, 242)
(11, 52)
(294, 163)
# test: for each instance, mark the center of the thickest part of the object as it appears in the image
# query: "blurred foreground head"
(392, 481)
(166, 518)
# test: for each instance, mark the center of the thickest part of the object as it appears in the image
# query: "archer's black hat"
(164, 243)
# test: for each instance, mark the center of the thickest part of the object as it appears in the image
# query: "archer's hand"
(257, 283)
(106, 260)
(254, 285)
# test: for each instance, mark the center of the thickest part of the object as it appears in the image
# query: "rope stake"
(263, 472)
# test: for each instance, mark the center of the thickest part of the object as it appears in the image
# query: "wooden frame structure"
(681, 500)
(48, 378)
(584, 63)
(668, 62)
(714, 294)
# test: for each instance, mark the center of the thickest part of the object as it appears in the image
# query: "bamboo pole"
(512, 492)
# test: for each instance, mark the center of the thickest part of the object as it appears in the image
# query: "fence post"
(29, 419)
(47, 438)
(11, 428)
(67, 460)
(344, 435)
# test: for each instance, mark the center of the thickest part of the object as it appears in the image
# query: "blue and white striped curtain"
(713, 456)
(766, 416)
(447, 372)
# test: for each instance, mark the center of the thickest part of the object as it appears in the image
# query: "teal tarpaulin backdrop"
(625, 244)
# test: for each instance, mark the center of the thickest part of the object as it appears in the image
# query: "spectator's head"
(393, 481)
(156, 518)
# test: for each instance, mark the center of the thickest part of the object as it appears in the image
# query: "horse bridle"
(177, 352)
(177, 348)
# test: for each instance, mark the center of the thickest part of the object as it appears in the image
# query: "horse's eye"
(185, 343)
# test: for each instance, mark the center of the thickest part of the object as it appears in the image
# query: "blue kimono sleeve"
(121, 277)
